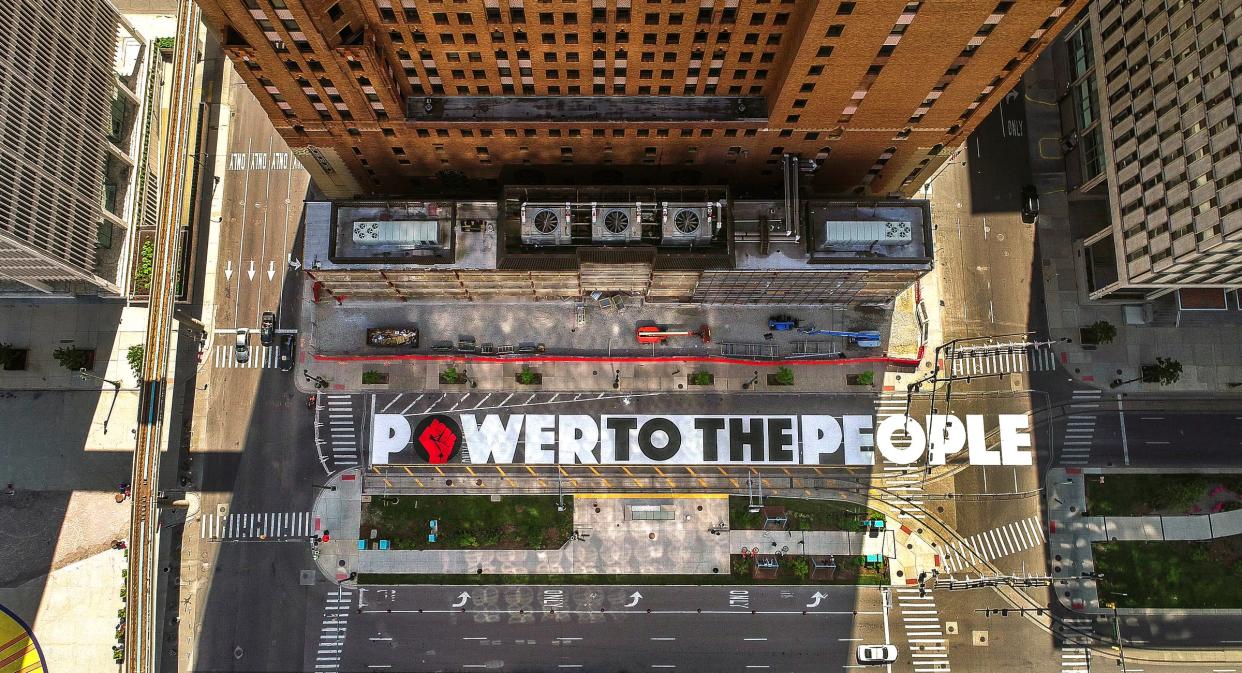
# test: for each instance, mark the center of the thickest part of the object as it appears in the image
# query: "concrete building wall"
(878, 88)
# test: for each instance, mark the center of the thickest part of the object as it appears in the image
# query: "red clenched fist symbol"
(438, 440)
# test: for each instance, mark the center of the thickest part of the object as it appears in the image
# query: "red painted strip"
(348, 477)
(1088, 378)
(900, 362)
(910, 582)
(1073, 470)
(1064, 357)
(889, 389)
(1052, 527)
(937, 559)
(905, 529)
(318, 525)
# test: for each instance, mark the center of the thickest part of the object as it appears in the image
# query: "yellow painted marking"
(573, 483)
(375, 469)
(786, 471)
(419, 482)
(510, 482)
(702, 483)
(471, 471)
(408, 470)
(593, 470)
(671, 483)
(722, 470)
(658, 470)
(607, 484)
(735, 484)
(819, 470)
(532, 472)
(501, 471)
(627, 471)
(562, 471)
(678, 496)
(541, 484)
(387, 483)
(691, 471)
(439, 470)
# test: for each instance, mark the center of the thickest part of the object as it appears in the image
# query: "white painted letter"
(390, 433)
(977, 441)
(1013, 438)
(856, 438)
(945, 435)
(540, 439)
(493, 442)
(575, 449)
(894, 454)
(821, 435)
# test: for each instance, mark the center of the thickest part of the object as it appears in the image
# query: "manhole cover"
(979, 638)
(306, 578)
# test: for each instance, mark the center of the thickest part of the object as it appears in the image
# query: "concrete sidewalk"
(1070, 534)
(601, 354)
(1208, 353)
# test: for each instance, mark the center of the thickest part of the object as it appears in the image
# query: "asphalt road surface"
(612, 628)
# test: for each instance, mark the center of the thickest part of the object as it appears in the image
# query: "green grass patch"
(469, 521)
(1144, 494)
(852, 572)
(803, 514)
(1206, 574)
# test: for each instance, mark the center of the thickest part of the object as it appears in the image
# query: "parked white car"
(877, 654)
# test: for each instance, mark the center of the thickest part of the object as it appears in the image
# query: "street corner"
(19, 650)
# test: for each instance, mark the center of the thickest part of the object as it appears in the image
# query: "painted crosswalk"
(256, 526)
(1075, 660)
(1080, 427)
(1002, 361)
(336, 431)
(332, 630)
(903, 487)
(924, 632)
(999, 542)
(1075, 637)
(261, 357)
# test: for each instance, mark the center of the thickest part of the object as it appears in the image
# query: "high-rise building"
(79, 102)
(408, 96)
(1150, 112)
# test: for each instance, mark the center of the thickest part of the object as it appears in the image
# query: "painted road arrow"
(294, 263)
(271, 269)
(462, 599)
(228, 270)
(815, 599)
(250, 271)
(634, 598)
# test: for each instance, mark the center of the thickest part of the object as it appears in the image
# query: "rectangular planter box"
(19, 360)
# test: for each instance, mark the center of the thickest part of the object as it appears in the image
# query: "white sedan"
(877, 654)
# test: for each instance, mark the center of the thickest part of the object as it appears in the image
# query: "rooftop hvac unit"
(545, 223)
(406, 233)
(687, 223)
(867, 232)
(615, 222)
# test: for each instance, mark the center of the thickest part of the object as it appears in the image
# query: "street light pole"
(324, 488)
(1121, 648)
(88, 375)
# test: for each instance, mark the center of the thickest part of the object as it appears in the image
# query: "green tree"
(146, 261)
(1166, 371)
(1099, 332)
(784, 376)
(9, 356)
(450, 375)
(799, 566)
(72, 359)
(866, 378)
(701, 379)
(134, 356)
(526, 376)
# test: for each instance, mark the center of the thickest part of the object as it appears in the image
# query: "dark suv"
(286, 350)
(267, 328)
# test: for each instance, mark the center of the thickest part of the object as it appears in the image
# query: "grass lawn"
(1205, 574)
(1143, 494)
(851, 572)
(469, 522)
(803, 514)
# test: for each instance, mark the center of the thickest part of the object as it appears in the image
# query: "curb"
(715, 359)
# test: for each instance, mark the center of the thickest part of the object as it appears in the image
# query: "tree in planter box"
(1099, 332)
(784, 376)
(373, 377)
(72, 359)
(866, 378)
(134, 357)
(11, 358)
(528, 377)
(1166, 371)
(451, 375)
(701, 379)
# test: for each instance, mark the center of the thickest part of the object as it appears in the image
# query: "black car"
(286, 351)
(267, 328)
(1030, 204)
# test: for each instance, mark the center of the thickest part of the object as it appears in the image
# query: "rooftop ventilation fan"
(546, 221)
(686, 221)
(616, 221)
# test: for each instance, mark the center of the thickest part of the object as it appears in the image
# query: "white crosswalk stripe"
(1075, 660)
(920, 618)
(332, 632)
(261, 357)
(1002, 361)
(338, 431)
(255, 526)
(999, 542)
(1080, 427)
(903, 483)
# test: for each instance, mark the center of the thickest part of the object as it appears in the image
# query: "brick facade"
(876, 90)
